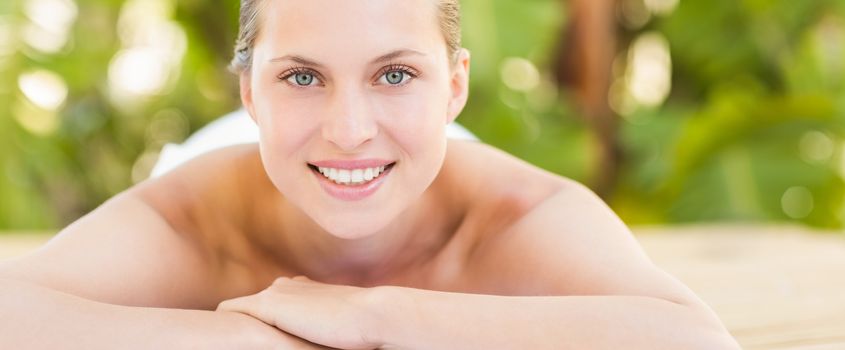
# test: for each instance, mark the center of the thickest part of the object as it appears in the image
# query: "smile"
(351, 181)
(353, 177)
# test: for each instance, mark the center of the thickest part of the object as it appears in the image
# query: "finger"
(234, 305)
(253, 305)
(302, 278)
(281, 280)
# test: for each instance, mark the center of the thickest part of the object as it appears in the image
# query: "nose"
(350, 122)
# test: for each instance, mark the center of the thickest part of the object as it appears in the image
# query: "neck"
(413, 237)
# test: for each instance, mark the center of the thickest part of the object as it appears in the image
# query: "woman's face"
(352, 99)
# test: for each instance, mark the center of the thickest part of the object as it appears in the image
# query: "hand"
(332, 315)
(244, 332)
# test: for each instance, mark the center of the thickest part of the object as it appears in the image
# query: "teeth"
(357, 175)
(354, 176)
(343, 176)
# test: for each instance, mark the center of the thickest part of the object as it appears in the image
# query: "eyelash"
(393, 67)
(399, 67)
(298, 70)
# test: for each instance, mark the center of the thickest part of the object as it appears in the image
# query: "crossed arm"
(404, 318)
(583, 280)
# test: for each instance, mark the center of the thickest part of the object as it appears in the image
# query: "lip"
(351, 164)
(351, 192)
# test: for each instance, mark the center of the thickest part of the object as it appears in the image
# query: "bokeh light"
(138, 71)
(642, 76)
(661, 7)
(649, 74)
(50, 23)
(139, 18)
(816, 147)
(153, 47)
(520, 74)
(167, 126)
(829, 38)
(797, 202)
(43, 88)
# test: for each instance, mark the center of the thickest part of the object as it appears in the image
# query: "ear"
(459, 83)
(246, 93)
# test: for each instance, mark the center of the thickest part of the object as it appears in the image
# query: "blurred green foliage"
(751, 130)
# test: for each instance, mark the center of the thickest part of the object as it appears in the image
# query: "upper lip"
(351, 164)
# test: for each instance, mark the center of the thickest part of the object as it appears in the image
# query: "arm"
(599, 291)
(123, 277)
(578, 278)
(33, 317)
(424, 319)
(389, 317)
(123, 253)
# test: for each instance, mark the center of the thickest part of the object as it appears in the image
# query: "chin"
(351, 233)
(354, 226)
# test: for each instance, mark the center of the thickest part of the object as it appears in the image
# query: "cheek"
(417, 124)
(413, 120)
(286, 125)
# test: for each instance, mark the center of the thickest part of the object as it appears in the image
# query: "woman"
(354, 223)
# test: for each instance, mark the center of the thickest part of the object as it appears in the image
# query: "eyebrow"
(396, 54)
(383, 58)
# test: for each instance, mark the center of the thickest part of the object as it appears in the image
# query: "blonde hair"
(449, 17)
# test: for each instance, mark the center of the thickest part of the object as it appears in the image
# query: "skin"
(460, 235)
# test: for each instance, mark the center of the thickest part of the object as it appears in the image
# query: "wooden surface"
(774, 287)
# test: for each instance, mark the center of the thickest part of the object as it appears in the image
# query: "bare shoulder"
(553, 236)
(156, 244)
(208, 191)
(473, 157)
(499, 188)
(218, 200)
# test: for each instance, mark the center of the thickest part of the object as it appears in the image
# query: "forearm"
(32, 317)
(422, 319)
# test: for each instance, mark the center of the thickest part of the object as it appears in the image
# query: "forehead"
(323, 28)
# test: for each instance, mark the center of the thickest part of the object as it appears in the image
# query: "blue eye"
(395, 77)
(302, 79)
